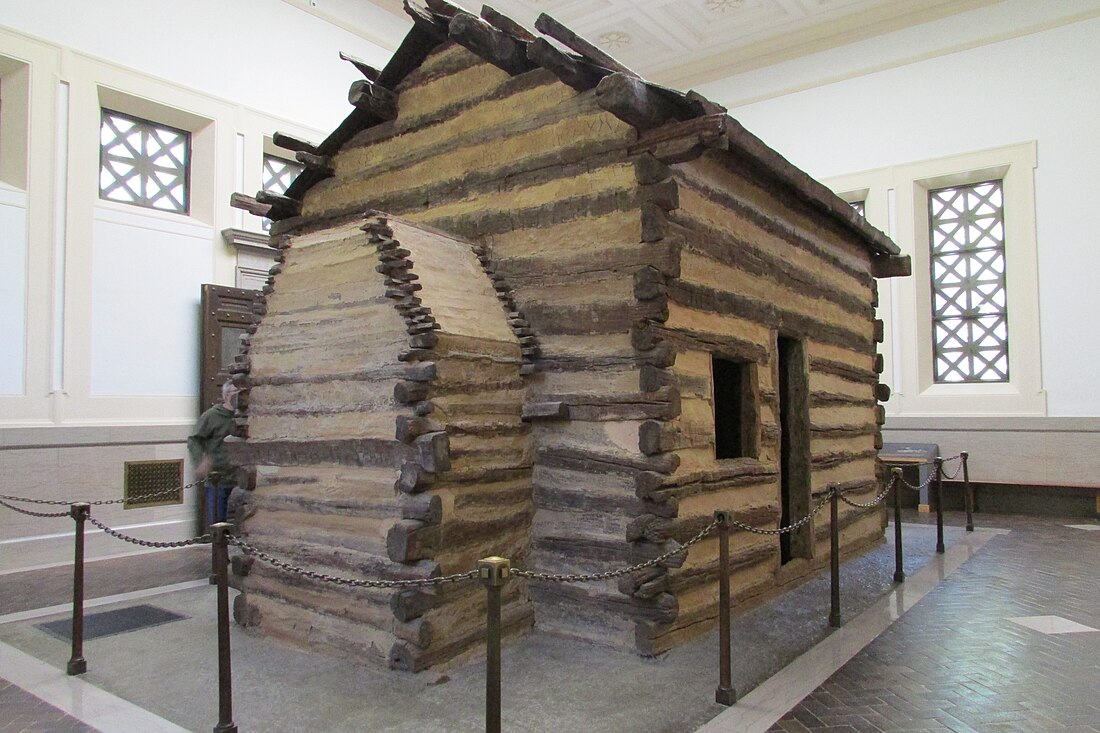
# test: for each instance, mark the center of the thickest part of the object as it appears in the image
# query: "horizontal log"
(282, 207)
(545, 411)
(427, 508)
(891, 266)
(482, 39)
(293, 144)
(657, 436)
(516, 618)
(831, 459)
(598, 462)
(409, 540)
(767, 313)
(548, 26)
(413, 478)
(408, 428)
(574, 72)
(843, 370)
(321, 164)
(433, 452)
(647, 169)
(249, 204)
(882, 392)
(655, 225)
(350, 452)
(649, 283)
(649, 527)
(409, 392)
(373, 99)
(364, 68)
(639, 103)
(505, 24)
(879, 331)
(665, 195)
(740, 472)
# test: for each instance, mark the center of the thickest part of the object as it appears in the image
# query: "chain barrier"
(917, 487)
(203, 539)
(609, 575)
(958, 469)
(143, 499)
(44, 515)
(789, 528)
(873, 503)
(351, 582)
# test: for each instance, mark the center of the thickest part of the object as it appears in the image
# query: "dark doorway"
(794, 423)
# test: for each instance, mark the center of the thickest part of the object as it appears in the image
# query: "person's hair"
(228, 388)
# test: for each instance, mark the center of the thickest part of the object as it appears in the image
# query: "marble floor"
(994, 635)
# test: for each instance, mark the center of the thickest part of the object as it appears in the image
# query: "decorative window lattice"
(969, 304)
(859, 207)
(279, 173)
(143, 163)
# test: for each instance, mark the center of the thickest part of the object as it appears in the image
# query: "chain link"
(788, 528)
(143, 499)
(147, 543)
(611, 574)
(958, 468)
(352, 582)
(873, 503)
(917, 487)
(45, 515)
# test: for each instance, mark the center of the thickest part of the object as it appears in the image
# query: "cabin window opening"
(735, 418)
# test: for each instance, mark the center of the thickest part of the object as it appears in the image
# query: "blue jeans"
(217, 500)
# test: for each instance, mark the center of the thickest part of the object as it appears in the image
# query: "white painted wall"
(1040, 86)
(264, 54)
(13, 289)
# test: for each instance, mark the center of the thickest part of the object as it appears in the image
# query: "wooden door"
(226, 313)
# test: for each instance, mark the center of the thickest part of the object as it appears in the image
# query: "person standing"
(208, 451)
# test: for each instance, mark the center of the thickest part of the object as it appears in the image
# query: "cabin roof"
(661, 115)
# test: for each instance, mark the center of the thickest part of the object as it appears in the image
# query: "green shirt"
(208, 439)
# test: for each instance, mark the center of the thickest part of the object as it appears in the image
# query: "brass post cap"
(494, 571)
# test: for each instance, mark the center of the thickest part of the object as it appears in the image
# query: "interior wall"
(99, 341)
(924, 94)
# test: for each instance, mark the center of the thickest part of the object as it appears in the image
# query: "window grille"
(143, 163)
(279, 173)
(969, 303)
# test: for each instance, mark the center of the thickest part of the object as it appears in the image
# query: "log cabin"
(528, 304)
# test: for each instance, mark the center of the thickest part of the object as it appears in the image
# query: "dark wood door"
(226, 313)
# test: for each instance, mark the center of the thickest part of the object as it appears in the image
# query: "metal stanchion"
(939, 504)
(494, 573)
(834, 558)
(77, 664)
(220, 558)
(899, 561)
(968, 493)
(725, 694)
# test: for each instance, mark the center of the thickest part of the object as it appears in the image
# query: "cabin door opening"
(794, 468)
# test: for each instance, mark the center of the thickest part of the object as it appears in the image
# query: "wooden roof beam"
(642, 104)
(293, 144)
(365, 69)
(370, 97)
(249, 204)
(496, 47)
(572, 70)
(504, 24)
(550, 27)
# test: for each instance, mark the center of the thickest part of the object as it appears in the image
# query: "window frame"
(897, 203)
(141, 121)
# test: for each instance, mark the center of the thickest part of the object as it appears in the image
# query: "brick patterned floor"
(22, 712)
(954, 662)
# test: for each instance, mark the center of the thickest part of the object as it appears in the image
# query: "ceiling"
(683, 42)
